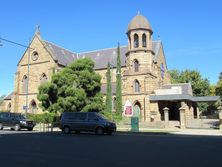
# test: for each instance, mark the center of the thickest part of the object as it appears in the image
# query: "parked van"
(86, 121)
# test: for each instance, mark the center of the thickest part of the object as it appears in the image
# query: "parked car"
(86, 121)
(15, 121)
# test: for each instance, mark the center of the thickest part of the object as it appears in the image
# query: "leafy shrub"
(112, 116)
(43, 118)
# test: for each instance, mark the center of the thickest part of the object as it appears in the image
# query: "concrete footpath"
(200, 132)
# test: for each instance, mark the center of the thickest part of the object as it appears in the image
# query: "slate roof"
(9, 96)
(101, 57)
(186, 88)
(183, 97)
(62, 56)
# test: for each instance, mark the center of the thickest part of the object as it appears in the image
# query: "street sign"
(24, 107)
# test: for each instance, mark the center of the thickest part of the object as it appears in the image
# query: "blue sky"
(190, 30)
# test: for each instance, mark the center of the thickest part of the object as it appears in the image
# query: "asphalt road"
(122, 149)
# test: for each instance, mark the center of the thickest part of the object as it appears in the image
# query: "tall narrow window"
(9, 107)
(162, 70)
(136, 65)
(43, 78)
(136, 86)
(24, 84)
(136, 41)
(144, 40)
(114, 103)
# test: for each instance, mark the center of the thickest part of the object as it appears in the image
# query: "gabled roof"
(9, 96)
(101, 57)
(63, 56)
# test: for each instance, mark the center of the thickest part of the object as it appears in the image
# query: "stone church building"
(145, 80)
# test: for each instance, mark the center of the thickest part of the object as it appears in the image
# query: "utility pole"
(27, 88)
(28, 69)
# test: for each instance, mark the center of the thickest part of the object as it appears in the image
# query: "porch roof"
(184, 97)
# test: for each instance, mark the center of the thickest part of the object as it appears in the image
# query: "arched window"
(24, 84)
(136, 86)
(9, 107)
(162, 70)
(33, 106)
(136, 41)
(35, 56)
(43, 78)
(136, 65)
(114, 103)
(144, 40)
(137, 109)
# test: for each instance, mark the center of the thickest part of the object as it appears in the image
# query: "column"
(182, 117)
(220, 116)
(198, 113)
(166, 117)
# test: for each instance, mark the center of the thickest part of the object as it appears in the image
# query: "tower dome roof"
(139, 22)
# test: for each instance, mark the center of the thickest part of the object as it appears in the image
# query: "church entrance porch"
(173, 106)
(170, 113)
(179, 110)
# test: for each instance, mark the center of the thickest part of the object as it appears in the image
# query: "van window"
(80, 116)
(68, 115)
(92, 117)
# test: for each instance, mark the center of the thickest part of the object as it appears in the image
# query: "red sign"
(128, 110)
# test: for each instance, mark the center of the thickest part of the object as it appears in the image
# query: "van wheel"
(17, 127)
(99, 131)
(66, 130)
(77, 132)
(1, 126)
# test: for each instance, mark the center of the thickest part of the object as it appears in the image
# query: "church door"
(135, 118)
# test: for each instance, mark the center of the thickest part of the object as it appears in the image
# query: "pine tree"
(118, 84)
(108, 90)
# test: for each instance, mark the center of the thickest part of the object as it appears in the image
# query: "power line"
(3, 39)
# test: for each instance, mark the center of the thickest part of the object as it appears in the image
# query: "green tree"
(118, 84)
(108, 90)
(75, 88)
(218, 89)
(200, 86)
(220, 76)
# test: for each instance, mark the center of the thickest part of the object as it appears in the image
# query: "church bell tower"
(140, 53)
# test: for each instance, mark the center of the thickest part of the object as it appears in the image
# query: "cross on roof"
(37, 31)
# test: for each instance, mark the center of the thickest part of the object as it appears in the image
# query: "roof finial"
(138, 12)
(37, 31)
